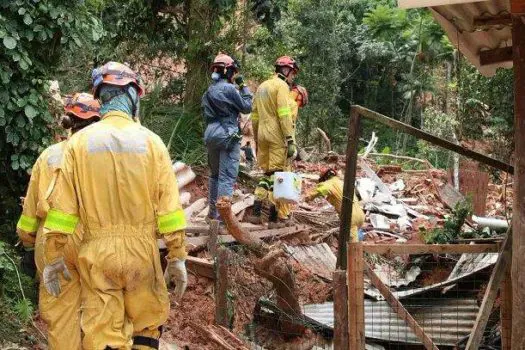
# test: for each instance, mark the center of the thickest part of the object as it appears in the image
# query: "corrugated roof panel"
(446, 321)
(317, 258)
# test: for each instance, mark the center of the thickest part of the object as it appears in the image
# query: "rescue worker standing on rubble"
(117, 180)
(330, 186)
(273, 126)
(61, 314)
(221, 105)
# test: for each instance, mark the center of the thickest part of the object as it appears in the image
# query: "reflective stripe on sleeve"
(59, 221)
(27, 224)
(284, 112)
(172, 222)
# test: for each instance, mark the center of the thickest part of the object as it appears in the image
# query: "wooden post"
(221, 287)
(356, 299)
(349, 185)
(398, 308)
(505, 292)
(476, 336)
(340, 310)
(518, 219)
(212, 238)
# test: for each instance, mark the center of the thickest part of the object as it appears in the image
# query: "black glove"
(239, 80)
(27, 265)
(292, 149)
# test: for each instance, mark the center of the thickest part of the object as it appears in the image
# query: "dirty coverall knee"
(124, 294)
(224, 167)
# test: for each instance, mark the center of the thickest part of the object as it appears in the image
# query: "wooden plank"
(200, 267)
(263, 234)
(339, 286)
(221, 287)
(397, 125)
(506, 310)
(412, 4)
(356, 302)
(398, 308)
(504, 259)
(401, 249)
(518, 207)
(212, 237)
(499, 55)
(349, 186)
(502, 20)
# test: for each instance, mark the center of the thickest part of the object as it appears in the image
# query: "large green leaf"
(9, 42)
(30, 112)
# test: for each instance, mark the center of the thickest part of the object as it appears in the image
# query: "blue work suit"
(221, 104)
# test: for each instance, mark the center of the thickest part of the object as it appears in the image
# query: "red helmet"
(82, 105)
(300, 95)
(287, 61)
(326, 174)
(116, 74)
(224, 61)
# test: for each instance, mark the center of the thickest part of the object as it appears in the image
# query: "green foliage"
(452, 227)
(16, 290)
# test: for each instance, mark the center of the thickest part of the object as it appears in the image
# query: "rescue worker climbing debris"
(61, 313)
(221, 105)
(273, 126)
(117, 180)
(330, 186)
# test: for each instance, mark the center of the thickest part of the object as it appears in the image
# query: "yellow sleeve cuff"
(59, 221)
(27, 224)
(174, 221)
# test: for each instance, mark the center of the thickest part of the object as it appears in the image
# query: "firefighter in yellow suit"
(117, 180)
(61, 314)
(331, 187)
(273, 126)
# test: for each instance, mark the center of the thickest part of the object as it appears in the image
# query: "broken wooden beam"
(261, 235)
(498, 273)
(499, 55)
(200, 267)
(212, 237)
(221, 287)
(398, 308)
(401, 249)
(501, 20)
(397, 125)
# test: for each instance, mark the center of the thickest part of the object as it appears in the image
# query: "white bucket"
(287, 187)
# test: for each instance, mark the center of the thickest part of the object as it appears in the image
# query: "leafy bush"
(452, 228)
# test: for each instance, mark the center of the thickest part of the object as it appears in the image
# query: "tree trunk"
(201, 34)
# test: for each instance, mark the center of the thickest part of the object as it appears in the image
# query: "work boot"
(273, 220)
(256, 217)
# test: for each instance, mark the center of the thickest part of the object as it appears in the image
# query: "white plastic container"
(287, 187)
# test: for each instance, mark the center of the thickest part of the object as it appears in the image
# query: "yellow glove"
(27, 239)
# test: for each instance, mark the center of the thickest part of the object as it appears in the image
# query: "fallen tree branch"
(271, 266)
(326, 140)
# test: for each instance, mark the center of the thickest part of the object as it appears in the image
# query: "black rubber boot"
(273, 220)
(256, 217)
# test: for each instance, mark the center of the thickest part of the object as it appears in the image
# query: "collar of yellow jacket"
(117, 114)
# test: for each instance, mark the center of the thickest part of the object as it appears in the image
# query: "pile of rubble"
(400, 205)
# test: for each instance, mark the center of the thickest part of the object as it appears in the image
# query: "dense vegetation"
(363, 52)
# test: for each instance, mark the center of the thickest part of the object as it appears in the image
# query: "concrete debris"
(184, 174)
(366, 188)
(380, 221)
(399, 185)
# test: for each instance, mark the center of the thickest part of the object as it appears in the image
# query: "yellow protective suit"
(118, 181)
(272, 123)
(62, 314)
(332, 190)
